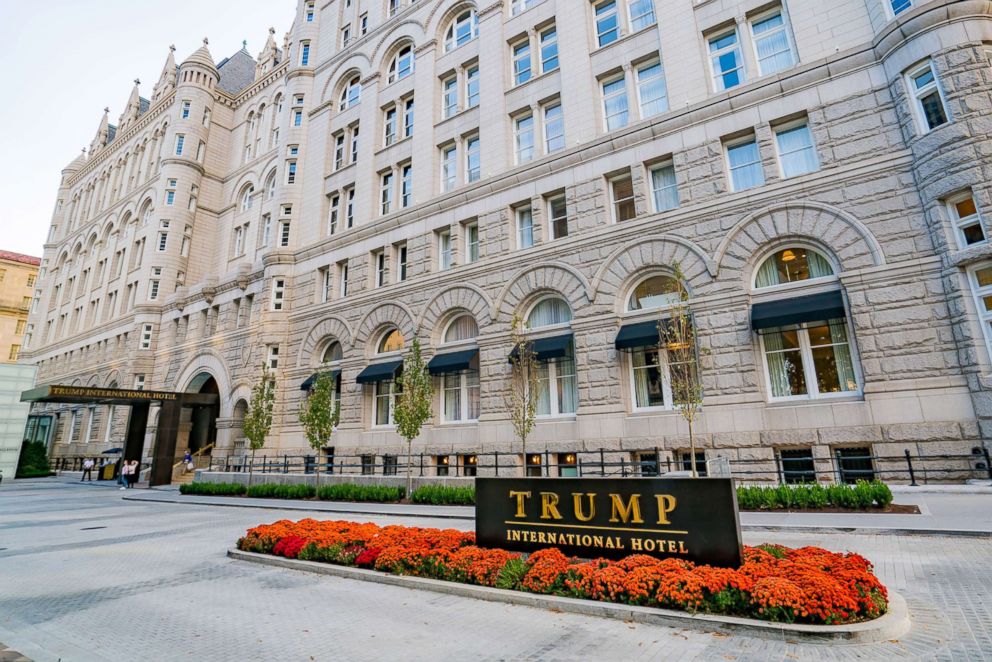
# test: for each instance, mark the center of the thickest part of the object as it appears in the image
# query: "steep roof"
(10, 256)
(111, 133)
(236, 72)
(143, 105)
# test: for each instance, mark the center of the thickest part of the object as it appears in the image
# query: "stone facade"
(246, 208)
(18, 274)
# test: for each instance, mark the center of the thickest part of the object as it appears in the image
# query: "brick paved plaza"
(87, 576)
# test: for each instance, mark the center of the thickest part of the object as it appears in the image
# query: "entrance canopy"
(112, 396)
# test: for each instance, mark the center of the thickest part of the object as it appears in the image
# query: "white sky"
(64, 60)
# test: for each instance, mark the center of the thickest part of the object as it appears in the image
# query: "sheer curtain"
(568, 397)
(543, 389)
(842, 355)
(452, 397)
(818, 265)
(779, 363)
(795, 147)
(549, 312)
(772, 44)
(640, 379)
(745, 166)
(666, 193)
(767, 274)
(472, 386)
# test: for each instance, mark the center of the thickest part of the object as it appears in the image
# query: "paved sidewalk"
(968, 513)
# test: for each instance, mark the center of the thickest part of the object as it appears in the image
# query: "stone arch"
(381, 64)
(633, 261)
(209, 361)
(524, 285)
(358, 64)
(334, 327)
(839, 233)
(112, 379)
(387, 314)
(240, 184)
(458, 298)
(438, 21)
(409, 30)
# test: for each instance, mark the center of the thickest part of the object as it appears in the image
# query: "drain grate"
(92, 528)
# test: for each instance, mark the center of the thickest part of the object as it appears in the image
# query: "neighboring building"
(18, 274)
(14, 379)
(820, 171)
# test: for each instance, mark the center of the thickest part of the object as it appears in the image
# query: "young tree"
(258, 417)
(319, 415)
(413, 404)
(521, 393)
(678, 337)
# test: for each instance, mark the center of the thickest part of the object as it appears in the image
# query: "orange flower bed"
(807, 585)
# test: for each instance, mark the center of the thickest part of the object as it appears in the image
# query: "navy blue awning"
(812, 308)
(452, 361)
(379, 372)
(544, 349)
(640, 334)
(308, 384)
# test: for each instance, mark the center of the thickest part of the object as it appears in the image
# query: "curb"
(200, 502)
(868, 530)
(892, 625)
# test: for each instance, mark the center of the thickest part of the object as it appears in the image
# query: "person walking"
(187, 462)
(122, 474)
(132, 476)
(87, 470)
(126, 468)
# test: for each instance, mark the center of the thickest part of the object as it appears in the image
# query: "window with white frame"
(519, 6)
(554, 128)
(471, 234)
(796, 152)
(402, 64)
(472, 79)
(898, 6)
(444, 256)
(607, 22)
(615, 107)
(622, 197)
(460, 390)
(278, 293)
(809, 360)
(339, 151)
(927, 98)
(146, 337)
(290, 172)
(266, 230)
(744, 161)
(408, 118)
(180, 141)
(981, 285)
(651, 92)
(308, 12)
(521, 61)
(272, 356)
(354, 143)
(384, 396)
(557, 217)
(651, 382)
(772, 44)
(326, 284)
(163, 241)
(525, 227)
(170, 192)
(406, 185)
(184, 112)
(386, 193)
(345, 36)
(726, 61)
(790, 265)
(462, 30)
(349, 207)
(351, 94)
(473, 159)
(967, 221)
(379, 260)
(139, 383)
(449, 168)
(548, 40)
(556, 378)
(523, 138)
(653, 293)
(449, 96)
(342, 278)
(304, 53)
(363, 23)
(297, 117)
(641, 14)
(239, 241)
(247, 197)
(284, 227)
(399, 257)
(664, 187)
(389, 126)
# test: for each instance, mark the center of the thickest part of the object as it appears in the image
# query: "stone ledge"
(894, 624)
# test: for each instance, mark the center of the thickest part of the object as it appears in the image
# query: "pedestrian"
(132, 477)
(187, 462)
(87, 470)
(121, 476)
(125, 474)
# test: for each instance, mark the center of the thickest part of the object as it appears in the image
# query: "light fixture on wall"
(788, 255)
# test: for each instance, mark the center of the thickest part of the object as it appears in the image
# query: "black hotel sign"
(686, 518)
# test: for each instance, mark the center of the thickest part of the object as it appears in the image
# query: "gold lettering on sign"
(520, 497)
(577, 500)
(549, 506)
(666, 504)
(629, 512)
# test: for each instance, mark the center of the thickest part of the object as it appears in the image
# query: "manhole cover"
(92, 528)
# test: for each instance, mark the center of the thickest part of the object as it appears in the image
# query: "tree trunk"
(316, 475)
(692, 450)
(523, 448)
(251, 466)
(409, 468)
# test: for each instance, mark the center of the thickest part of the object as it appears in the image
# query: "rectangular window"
(139, 382)
(549, 49)
(899, 6)
(309, 12)
(796, 152)
(525, 227)
(333, 213)
(557, 389)
(146, 337)
(929, 102)
(291, 172)
(518, 6)
(772, 44)
(726, 61)
(345, 35)
(664, 188)
(342, 279)
(180, 140)
(384, 401)
(521, 62)
(607, 23)
(615, 108)
(304, 53)
(651, 379)
(981, 286)
(354, 144)
(386, 193)
(651, 91)
(473, 163)
(184, 113)
(472, 87)
(266, 230)
(349, 208)
(273, 357)
(379, 259)
(523, 136)
(809, 361)
(641, 14)
(406, 185)
(449, 168)
(163, 240)
(284, 233)
(389, 127)
(239, 240)
(554, 128)
(444, 250)
(745, 165)
(557, 217)
(400, 260)
(449, 96)
(339, 151)
(363, 22)
(325, 281)
(297, 117)
(278, 293)
(685, 458)
(855, 464)
(967, 221)
(797, 465)
(408, 118)
(459, 400)
(622, 191)
(471, 233)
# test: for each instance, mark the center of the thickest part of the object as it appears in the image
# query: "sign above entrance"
(686, 518)
(111, 396)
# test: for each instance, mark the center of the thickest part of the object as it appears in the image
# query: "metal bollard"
(909, 463)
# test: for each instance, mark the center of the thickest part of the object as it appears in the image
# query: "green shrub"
(213, 489)
(860, 496)
(512, 574)
(439, 495)
(33, 461)
(276, 491)
(353, 492)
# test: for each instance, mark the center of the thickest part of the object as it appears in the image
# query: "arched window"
(401, 65)
(549, 312)
(462, 327)
(391, 342)
(462, 30)
(790, 265)
(246, 197)
(654, 292)
(270, 185)
(333, 353)
(351, 94)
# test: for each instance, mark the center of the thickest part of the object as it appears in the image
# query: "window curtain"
(767, 274)
(796, 149)
(568, 397)
(772, 44)
(543, 389)
(452, 397)
(818, 265)
(641, 396)
(842, 355)
(472, 384)
(666, 194)
(777, 364)
(745, 166)
(550, 312)
(462, 328)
